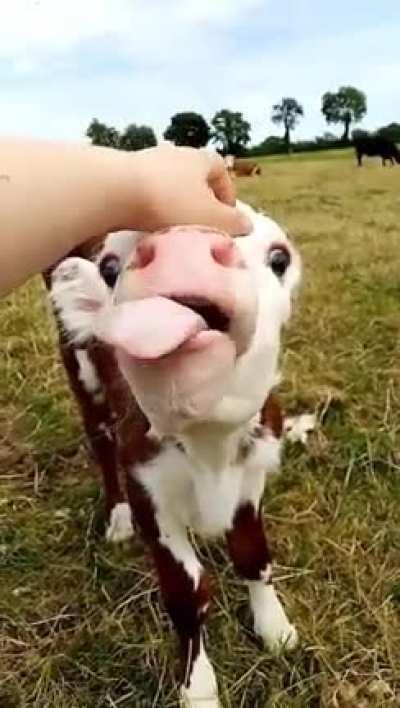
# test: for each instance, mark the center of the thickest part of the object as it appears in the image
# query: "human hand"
(179, 185)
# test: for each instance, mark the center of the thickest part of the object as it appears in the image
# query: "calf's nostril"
(224, 253)
(145, 254)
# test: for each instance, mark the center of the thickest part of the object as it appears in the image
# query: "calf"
(242, 168)
(172, 341)
(376, 146)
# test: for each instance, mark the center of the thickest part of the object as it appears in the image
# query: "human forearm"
(54, 197)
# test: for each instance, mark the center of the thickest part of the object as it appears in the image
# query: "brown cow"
(242, 167)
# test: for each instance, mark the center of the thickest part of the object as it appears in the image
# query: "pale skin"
(54, 197)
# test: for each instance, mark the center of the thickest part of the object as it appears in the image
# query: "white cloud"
(220, 12)
(155, 57)
(42, 27)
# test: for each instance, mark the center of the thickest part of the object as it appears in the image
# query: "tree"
(347, 106)
(231, 131)
(327, 137)
(188, 129)
(287, 112)
(102, 134)
(137, 137)
(272, 145)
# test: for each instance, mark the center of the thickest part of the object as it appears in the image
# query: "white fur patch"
(270, 621)
(262, 463)
(78, 292)
(266, 574)
(184, 553)
(202, 691)
(299, 427)
(120, 526)
(173, 536)
(120, 244)
(88, 375)
(203, 487)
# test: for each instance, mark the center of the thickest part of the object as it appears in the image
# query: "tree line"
(230, 131)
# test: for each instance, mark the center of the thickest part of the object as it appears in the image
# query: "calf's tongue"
(150, 328)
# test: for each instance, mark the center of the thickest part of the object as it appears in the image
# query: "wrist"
(123, 189)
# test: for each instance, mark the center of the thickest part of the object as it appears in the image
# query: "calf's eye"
(278, 260)
(109, 268)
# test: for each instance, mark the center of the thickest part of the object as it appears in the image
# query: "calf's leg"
(99, 423)
(185, 592)
(96, 383)
(184, 588)
(252, 561)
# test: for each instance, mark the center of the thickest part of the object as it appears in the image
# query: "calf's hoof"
(280, 639)
(188, 701)
(202, 691)
(120, 525)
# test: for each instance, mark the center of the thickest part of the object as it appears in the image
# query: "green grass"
(312, 156)
(80, 623)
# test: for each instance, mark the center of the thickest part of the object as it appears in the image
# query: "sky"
(64, 62)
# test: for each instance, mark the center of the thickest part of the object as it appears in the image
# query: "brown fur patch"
(247, 544)
(271, 416)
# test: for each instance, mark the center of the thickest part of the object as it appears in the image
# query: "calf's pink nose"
(201, 245)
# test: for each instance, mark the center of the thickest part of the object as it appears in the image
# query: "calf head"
(193, 315)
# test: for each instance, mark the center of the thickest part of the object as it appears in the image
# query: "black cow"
(376, 145)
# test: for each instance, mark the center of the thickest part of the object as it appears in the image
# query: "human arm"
(54, 197)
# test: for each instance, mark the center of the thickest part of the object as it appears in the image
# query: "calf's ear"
(78, 293)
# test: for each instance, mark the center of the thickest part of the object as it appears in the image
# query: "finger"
(219, 180)
(223, 189)
(226, 218)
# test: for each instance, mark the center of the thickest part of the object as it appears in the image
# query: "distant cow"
(374, 146)
(242, 168)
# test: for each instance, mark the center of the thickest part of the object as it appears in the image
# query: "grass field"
(80, 623)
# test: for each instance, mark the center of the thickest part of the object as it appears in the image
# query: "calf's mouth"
(211, 313)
